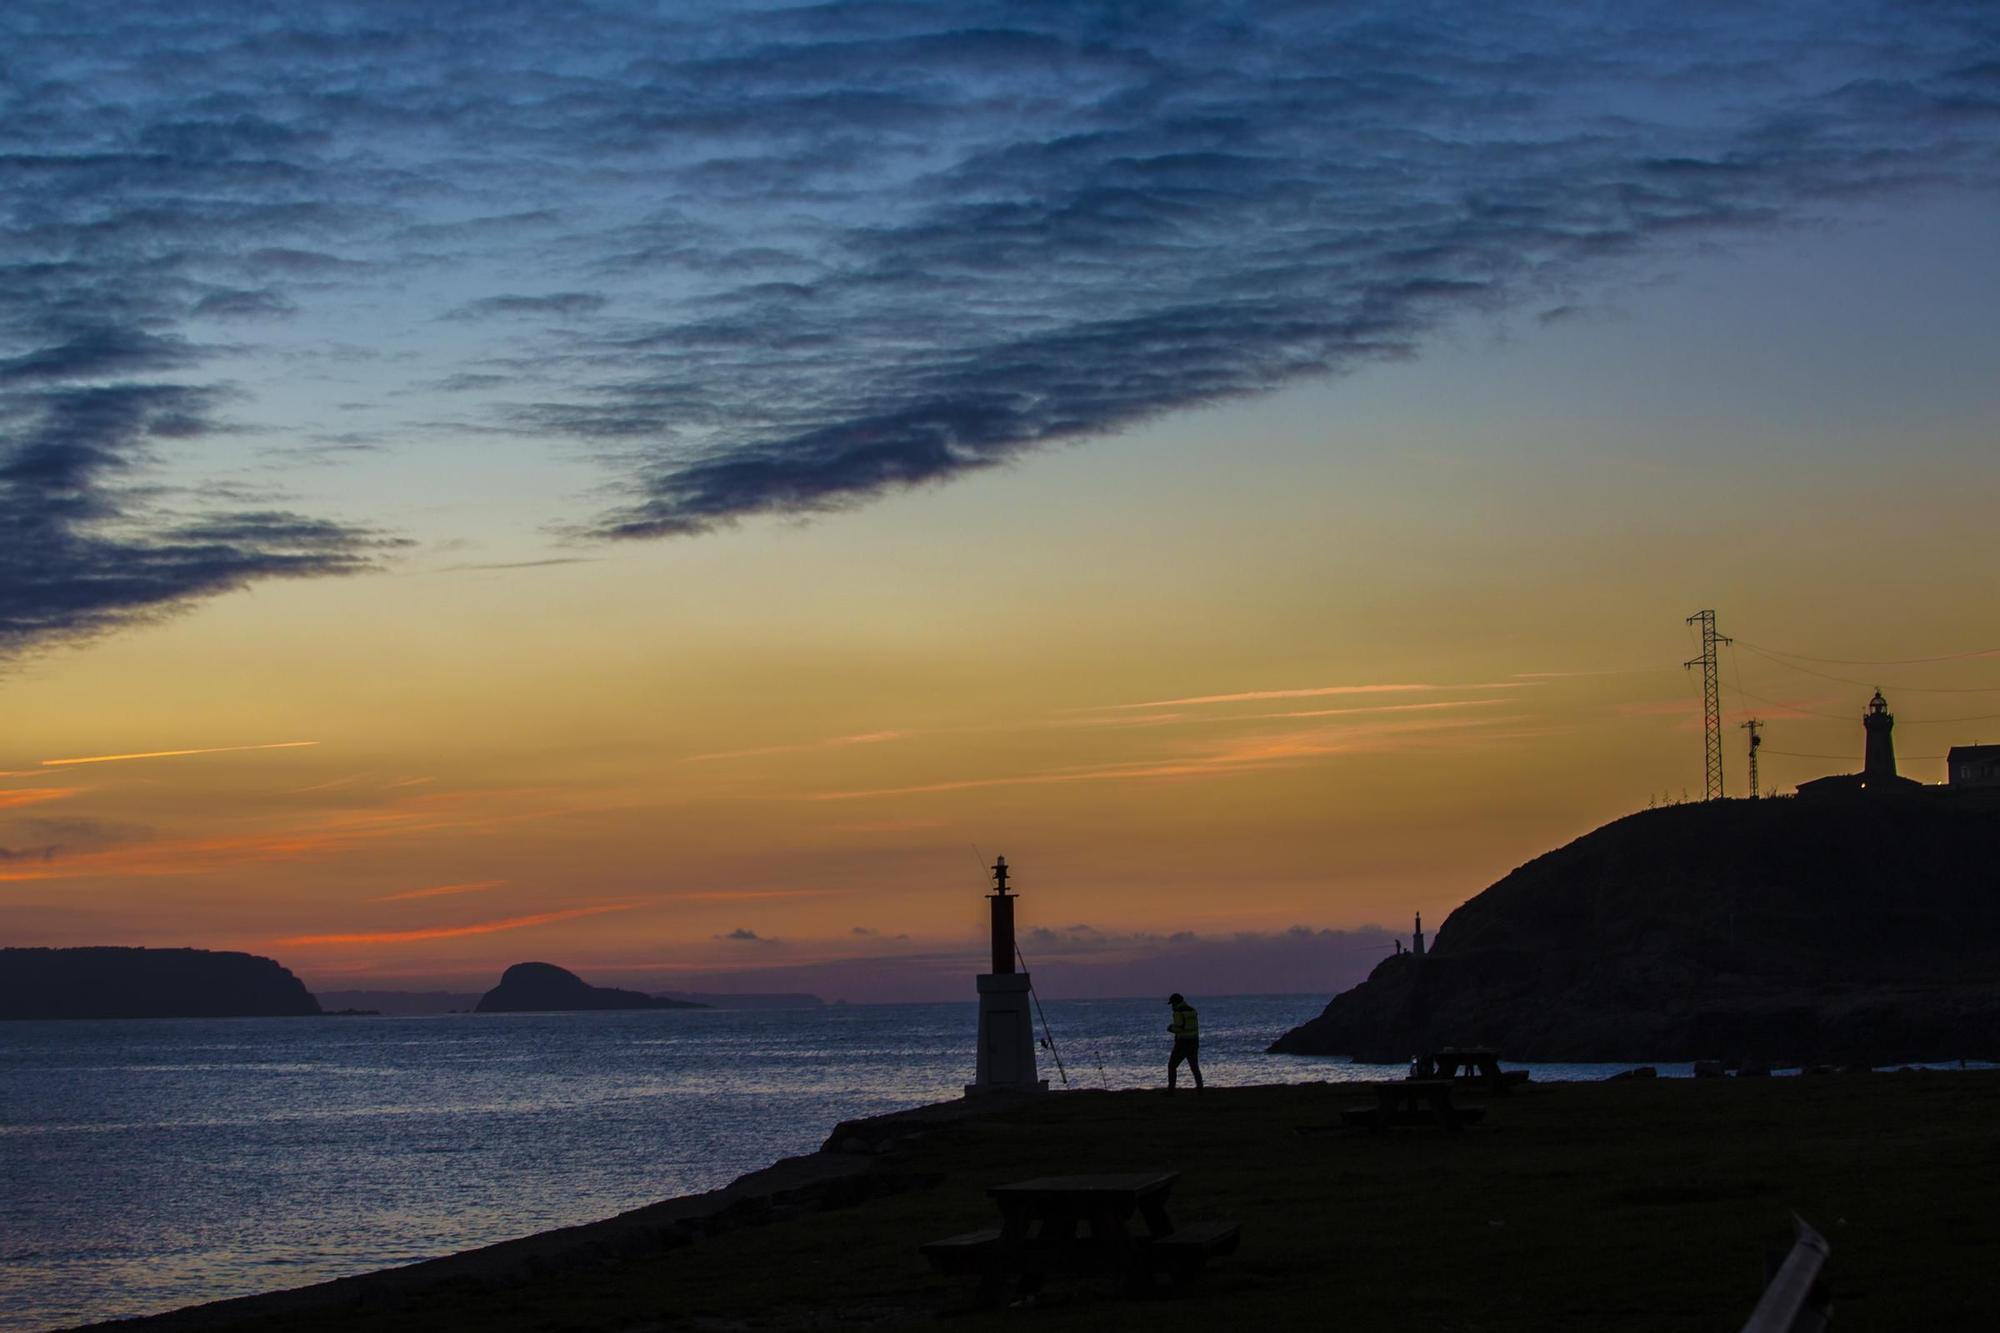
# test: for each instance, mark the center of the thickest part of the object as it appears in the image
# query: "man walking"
(1186, 1028)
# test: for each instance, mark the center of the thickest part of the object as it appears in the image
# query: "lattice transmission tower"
(1711, 701)
(1753, 726)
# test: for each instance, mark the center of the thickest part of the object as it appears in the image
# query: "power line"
(1796, 754)
(1887, 661)
(1899, 689)
(1800, 708)
(1849, 717)
(1736, 674)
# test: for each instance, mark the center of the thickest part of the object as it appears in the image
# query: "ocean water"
(147, 1165)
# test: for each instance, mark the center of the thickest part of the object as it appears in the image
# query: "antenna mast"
(1753, 726)
(1711, 702)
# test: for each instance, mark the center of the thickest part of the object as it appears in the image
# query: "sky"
(674, 491)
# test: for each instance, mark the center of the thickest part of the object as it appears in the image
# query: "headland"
(1859, 929)
(114, 982)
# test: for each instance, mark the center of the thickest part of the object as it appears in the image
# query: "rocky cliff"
(541, 987)
(1789, 931)
(146, 983)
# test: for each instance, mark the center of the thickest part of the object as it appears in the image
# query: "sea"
(151, 1164)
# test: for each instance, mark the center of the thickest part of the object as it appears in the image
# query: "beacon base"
(1006, 1037)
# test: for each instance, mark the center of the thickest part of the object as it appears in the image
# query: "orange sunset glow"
(1312, 577)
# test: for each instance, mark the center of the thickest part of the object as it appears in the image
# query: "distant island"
(544, 987)
(1790, 931)
(108, 982)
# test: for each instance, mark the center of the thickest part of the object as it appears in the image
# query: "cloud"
(826, 743)
(1305, 692)
(751, 895)
(258, 303)
(1076, 962)
(453, 932)
(516, 564)
(11, 797)
(565, 306)
(1238, 755)
(444, 890)
(171, 754)
(317, 835)
(81, 553)
(744, 935)
(856, 248)
(51, 838)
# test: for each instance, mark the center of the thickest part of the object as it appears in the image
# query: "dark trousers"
(1188, 1049)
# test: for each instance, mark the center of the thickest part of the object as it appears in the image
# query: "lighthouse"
(1878, 762)
(1006, 1061)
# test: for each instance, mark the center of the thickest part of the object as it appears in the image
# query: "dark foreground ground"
(1629, 1205)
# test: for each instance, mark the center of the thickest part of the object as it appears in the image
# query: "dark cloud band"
(784, 260)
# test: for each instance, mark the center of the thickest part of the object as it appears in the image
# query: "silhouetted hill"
(541, 987)
(146, 983)
(1791, 931)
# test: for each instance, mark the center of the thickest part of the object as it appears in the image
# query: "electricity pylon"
(1711, 702)
(1752, 726)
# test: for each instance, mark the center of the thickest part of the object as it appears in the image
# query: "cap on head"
(1175, 998)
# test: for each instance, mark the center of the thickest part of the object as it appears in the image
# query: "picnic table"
(1468, 1064)
(1413, 1101)
(1082, 1225)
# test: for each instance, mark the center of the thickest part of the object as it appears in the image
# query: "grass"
(1643, 1205)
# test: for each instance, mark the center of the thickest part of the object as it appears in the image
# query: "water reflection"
(156, 1164)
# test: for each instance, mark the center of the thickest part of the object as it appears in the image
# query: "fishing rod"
(1048, 1037)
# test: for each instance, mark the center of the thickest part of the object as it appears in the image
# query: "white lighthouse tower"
(1006, 1029)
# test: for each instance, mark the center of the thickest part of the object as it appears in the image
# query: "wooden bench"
(1189, 1247)
(1081, 1226)
(1412, 1102)
(971, 1252)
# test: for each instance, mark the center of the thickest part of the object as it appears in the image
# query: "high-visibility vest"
(1187, 1023)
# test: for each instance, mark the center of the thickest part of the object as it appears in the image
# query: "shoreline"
(843, 1170)
(1645, 1204)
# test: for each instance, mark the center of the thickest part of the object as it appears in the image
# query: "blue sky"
(773, 259)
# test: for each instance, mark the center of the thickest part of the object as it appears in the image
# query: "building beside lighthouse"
(1973, 768)
(1006, 1055)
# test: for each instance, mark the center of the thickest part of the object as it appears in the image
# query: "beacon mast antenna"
(1711, 701)
(1753, 726)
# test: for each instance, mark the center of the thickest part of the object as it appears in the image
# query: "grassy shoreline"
(1643, 1204)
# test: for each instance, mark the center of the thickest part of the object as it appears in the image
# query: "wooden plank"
(1215, 1237)
(1131, 1183)
(969, 1252)
(1790, 1303)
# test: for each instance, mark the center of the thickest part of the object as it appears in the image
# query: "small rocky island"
(109, 982)
(544, 987)
(1791, 931)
